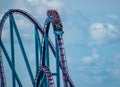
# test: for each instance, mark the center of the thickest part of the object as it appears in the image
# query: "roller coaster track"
(2, 78)
(43, 71)
(55, 19)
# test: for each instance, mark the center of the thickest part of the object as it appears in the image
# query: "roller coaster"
(44, 75)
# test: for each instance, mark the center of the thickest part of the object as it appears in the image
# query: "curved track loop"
(29, 17)
(55, 19)
(21, 12)
(57, 25)
(44, 70)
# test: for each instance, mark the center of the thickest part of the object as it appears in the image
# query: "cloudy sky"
(91, 37)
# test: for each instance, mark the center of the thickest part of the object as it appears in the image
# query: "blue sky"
(92, 36)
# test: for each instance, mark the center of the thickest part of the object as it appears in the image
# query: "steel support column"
(12, 50)
(36, 50)
(23, 50)
(10, 64)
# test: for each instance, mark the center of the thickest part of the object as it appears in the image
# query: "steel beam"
(23, 50)
(10, 63)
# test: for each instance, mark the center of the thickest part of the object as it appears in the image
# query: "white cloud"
(114, 71)
(87, 59)
(20, 4)
(117, 72)
(102, 33)
(32, 1)
(32, 56)
(5, 34)
(28, 37)
(72, 38)
(93, 57)
(23, 24)
(117, 57)
(38, 7)
(113, 16)
(46, 3)
(52, 3)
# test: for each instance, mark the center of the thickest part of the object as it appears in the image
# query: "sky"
(91, 37)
